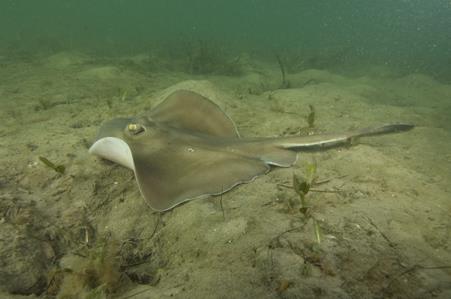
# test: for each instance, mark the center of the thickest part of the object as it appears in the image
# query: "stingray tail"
(324, 141)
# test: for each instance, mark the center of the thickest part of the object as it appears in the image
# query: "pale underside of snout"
(113, 149)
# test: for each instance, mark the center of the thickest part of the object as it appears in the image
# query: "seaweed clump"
(311, 117)
(102, 268)
(206, 57)
(285, 83)
(302, 185)
(58, 168)
(91, 273)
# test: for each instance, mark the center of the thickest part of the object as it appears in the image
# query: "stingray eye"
(135, 129)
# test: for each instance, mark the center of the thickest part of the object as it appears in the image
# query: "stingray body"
(188, 148)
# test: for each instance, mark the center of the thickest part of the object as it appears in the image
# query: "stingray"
(187, 148)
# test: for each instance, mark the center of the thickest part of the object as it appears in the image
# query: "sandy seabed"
(381, 230)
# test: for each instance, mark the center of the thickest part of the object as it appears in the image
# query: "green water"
(412, 35)
(375, 224)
